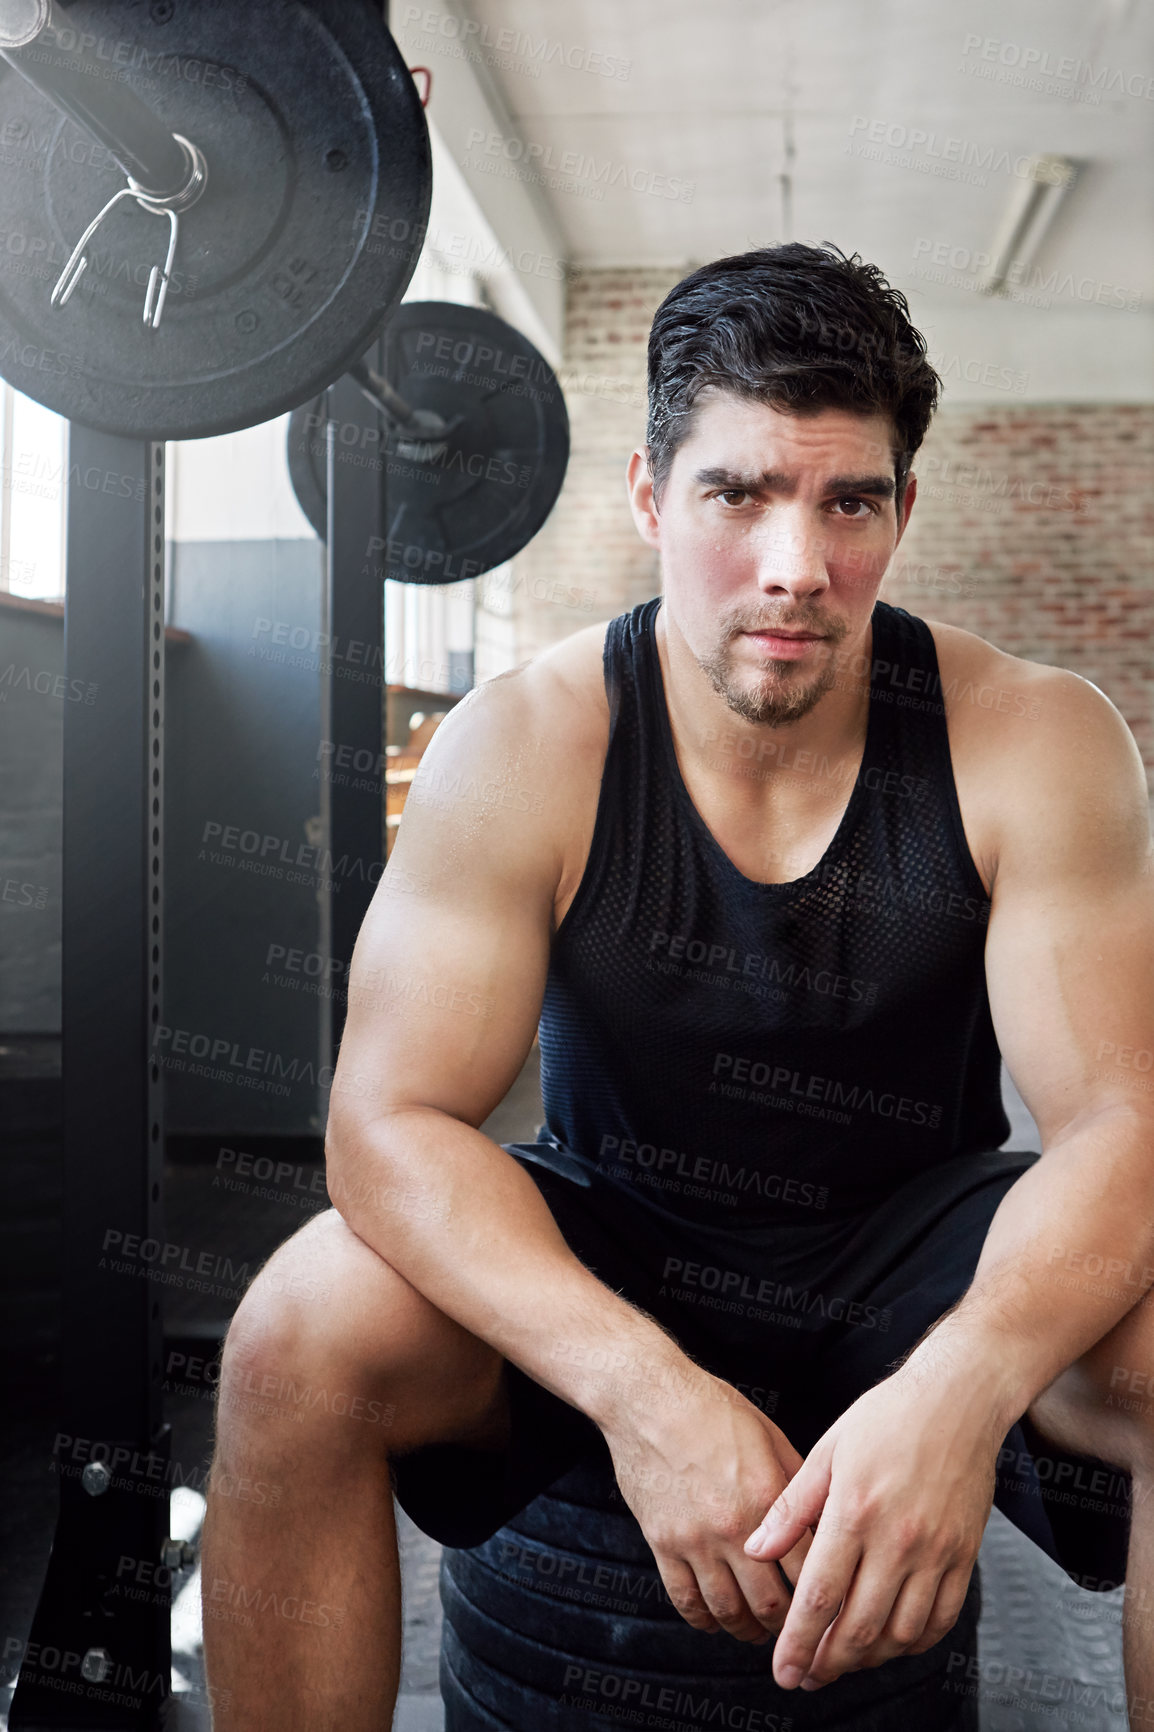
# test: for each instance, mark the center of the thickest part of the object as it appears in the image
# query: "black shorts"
(845, 1300)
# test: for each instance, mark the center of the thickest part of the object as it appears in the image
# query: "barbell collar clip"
(160, 275)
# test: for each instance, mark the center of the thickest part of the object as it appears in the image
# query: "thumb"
(796, 1508)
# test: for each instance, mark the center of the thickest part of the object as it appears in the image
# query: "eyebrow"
(776, 481)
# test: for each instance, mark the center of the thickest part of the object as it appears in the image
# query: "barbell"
(207, 211)
(474, 448)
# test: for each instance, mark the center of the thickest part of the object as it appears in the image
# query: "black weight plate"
(319, 184)
(547, 1670)
(487, 493)
(562, 1631)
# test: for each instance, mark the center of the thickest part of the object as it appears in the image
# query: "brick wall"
(1034, 527)
(588, 562)
(1034, 523)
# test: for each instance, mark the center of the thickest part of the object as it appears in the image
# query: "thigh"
(927, 1274)
(328, 1326)
(1074, 1506)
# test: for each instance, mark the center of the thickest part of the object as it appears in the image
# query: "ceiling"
(755, 113)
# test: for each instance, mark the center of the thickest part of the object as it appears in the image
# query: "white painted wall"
(506, 225)
(235, 488)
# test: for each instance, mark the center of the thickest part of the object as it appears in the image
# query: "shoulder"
(1046, 754)
(556, 699)
(980, 680)
(515, 761)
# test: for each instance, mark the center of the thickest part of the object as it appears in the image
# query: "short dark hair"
(801, 328)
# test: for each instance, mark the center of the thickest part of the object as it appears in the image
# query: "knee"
(284, 1341)
(329, 1333)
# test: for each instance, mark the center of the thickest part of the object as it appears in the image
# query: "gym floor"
(1049, 1652)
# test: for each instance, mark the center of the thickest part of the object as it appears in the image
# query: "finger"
(797, 1507)
(947, 1606)
(925, 1609)
(765, 1590)
(685, 1595)
(726, 1600)
(817, 1599)
(921, 1616)
(857, 1637)
(787, 1455)
(793, 1560)
(907, 1622)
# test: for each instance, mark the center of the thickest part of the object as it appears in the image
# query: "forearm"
(1068, 1253)
(460, 1220)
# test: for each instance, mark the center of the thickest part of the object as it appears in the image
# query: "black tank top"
(747, 1055)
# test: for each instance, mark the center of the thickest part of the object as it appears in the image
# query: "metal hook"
(78, 258)
(170, 207)
(158, 279)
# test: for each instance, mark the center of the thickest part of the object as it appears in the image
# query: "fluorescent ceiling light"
(1044, 183)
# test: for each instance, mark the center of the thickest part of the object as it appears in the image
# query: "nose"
(792, 556)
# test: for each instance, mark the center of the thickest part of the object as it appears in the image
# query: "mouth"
(797, 636)
(783, 644)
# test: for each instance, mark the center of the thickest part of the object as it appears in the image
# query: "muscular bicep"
(1070, 946)
(448, 972)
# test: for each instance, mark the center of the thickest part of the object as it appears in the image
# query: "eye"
(867, 509)
(730, 492)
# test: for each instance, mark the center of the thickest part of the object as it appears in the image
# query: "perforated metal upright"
(103, 1658)
(354, 696)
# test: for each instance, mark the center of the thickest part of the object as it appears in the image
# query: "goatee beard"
(764, 702)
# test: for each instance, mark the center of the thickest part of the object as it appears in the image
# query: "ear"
(639, 485)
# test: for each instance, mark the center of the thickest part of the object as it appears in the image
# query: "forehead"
(728, 428)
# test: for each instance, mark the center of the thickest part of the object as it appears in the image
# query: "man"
(781, 868)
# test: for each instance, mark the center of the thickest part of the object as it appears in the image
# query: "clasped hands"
(877, 1530)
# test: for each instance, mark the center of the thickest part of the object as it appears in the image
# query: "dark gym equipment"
(304, 185)
(111, 1457)
(285, 144)
(143, 146)
(476, 446)
(560, 1622)
(111, 1454)
(352, 711)
(293, 174)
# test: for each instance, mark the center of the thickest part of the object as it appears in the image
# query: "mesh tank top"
(738, 1054)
